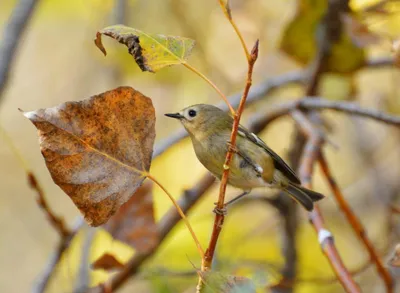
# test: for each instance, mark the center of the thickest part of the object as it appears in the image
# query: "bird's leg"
(224, 210)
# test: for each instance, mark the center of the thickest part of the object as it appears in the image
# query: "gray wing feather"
(279, 163)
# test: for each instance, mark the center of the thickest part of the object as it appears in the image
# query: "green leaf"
(151, 52)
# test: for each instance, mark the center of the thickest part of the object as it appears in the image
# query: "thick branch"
(11, 37)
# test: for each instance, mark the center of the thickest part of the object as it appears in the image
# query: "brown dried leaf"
(221, 283)
(134, 222)
(107, 262)
(395, 259)
(95, 149)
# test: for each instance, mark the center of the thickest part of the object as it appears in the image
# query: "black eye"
(192, 113)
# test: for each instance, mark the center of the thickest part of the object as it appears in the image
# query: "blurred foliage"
(58, 62)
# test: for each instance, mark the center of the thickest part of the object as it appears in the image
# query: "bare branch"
(57, 222)
(355, 223)
(309, 158)
(12, 36)
(44, 279)
(310, 103)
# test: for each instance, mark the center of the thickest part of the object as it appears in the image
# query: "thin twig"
(56, 221)
(355, 223)
(12, 35)
(310, 156)
(219, 217)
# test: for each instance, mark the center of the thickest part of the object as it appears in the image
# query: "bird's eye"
(192, 113)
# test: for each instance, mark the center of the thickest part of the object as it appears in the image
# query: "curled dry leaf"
(107, 262)
(134, 222)
(97, 149)
(395, 259)
(151, 52)
(218, 282)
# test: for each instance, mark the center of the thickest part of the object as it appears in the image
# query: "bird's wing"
(278, 162)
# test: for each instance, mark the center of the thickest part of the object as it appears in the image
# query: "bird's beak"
(174, 115)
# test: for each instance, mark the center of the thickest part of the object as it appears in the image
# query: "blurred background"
(56, 62)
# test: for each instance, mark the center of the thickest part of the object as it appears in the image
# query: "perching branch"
(12, 35)
(219, 217)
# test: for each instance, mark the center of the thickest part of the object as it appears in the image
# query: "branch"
(83, 276)
(43, 280)
(355, 223)
(310, 156)
(56, 221)
(310, 103)
(12, 35)
(219, 217)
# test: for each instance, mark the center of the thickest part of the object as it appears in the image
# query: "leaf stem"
(181, 213)
(191, 68)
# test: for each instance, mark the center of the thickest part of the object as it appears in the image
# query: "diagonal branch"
(12, 36)
(310, 156)
(219, 217)
(355, 223)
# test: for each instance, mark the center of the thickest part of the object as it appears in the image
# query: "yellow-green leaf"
(150, 51)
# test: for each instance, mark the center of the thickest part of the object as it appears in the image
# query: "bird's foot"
(231, 147)
(220, 211)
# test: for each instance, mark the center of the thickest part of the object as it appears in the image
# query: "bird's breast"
(243, 174)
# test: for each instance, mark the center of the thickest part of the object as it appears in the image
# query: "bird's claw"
(232, 147)
(222, 212)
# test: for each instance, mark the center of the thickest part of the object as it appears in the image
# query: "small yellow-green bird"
(253, 165)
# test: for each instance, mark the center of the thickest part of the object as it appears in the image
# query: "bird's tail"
(304, 196)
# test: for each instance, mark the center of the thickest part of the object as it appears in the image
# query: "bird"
(253, 165)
